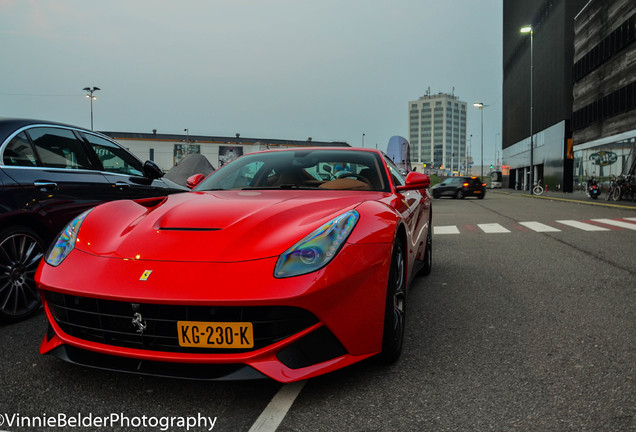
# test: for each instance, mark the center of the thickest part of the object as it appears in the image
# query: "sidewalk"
(577, 196)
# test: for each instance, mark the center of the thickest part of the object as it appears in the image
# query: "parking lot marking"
(450, 229)
(539, 227)
(275, 412)
(492, 228)
(612, 222)
(582, 225)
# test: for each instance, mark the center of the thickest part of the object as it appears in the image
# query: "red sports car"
(284, 264)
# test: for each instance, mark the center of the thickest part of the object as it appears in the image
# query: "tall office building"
(604, 75)
(537, 85)
(437, 132)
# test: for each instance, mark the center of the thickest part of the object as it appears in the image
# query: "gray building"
(552, 55)
(604, 106)
(437, 132)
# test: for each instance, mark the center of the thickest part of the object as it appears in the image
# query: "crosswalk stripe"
(539, 227)
(450, 229)
(492, 228)
(495, 228)
(617, 223)
(582, 225)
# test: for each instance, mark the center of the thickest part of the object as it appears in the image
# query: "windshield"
(302, 169)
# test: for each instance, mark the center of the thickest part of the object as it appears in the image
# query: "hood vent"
(188, 229)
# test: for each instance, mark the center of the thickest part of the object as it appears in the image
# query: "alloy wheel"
(20, 254)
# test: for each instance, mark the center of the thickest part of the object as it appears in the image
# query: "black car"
(50, 173)
(460, 187)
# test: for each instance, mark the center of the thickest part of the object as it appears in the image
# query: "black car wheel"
(459, 194)
(20, 252)
(395, 308)
(428, 254)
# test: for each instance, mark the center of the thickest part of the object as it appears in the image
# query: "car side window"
(58, 148)
(19, 152)
(115, 159)
(398, 179)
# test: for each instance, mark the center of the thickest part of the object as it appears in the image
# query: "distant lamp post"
(496, 151)
(529, 29)
(481, 110)
(92, 97)
(469, 152)
(363, 140)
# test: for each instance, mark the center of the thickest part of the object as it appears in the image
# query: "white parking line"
(631, 219)
(450, 229)
(582, 225)
(492, 228)
(617, 223)
(539, 227)
(275, 412)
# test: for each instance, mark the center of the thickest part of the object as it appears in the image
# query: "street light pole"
(496, 151)
(469, 152)
(481, 106)
(91, 97)
(529, 29)
(363, 140)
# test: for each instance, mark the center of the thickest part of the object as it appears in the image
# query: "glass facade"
(604, 160)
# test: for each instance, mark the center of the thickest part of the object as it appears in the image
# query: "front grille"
(198, 371)
(110, 322)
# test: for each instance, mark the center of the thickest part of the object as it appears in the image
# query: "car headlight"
(318, 248)
(65, 242)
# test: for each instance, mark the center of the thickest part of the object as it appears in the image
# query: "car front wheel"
(428, 253)
(20, 252)
(395, 308)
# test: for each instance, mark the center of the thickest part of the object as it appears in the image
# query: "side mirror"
(152, 170)
(414, 181)
(194, 180)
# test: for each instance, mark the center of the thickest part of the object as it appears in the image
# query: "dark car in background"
(50, 173)
(460, 187)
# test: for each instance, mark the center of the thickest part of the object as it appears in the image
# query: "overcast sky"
(288, 69)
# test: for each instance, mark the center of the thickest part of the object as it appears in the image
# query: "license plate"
(201, 334)
(477, 191)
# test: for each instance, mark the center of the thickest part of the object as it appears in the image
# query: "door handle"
(122, 185)
(45, 186)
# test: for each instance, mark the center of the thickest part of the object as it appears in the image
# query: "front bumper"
(336, 313)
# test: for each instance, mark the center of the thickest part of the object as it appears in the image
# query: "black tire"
(21, 250)
(435, 195)
(428, 253)
(482, 196)
(459, 194)
(395, 308)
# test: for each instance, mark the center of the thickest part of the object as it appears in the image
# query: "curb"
(570, 200)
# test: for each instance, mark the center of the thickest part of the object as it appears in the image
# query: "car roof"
(9, 125)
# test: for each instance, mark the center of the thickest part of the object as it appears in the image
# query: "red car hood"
(219, 226)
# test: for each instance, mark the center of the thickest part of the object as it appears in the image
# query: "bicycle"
(537, 189)
(609, 192)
